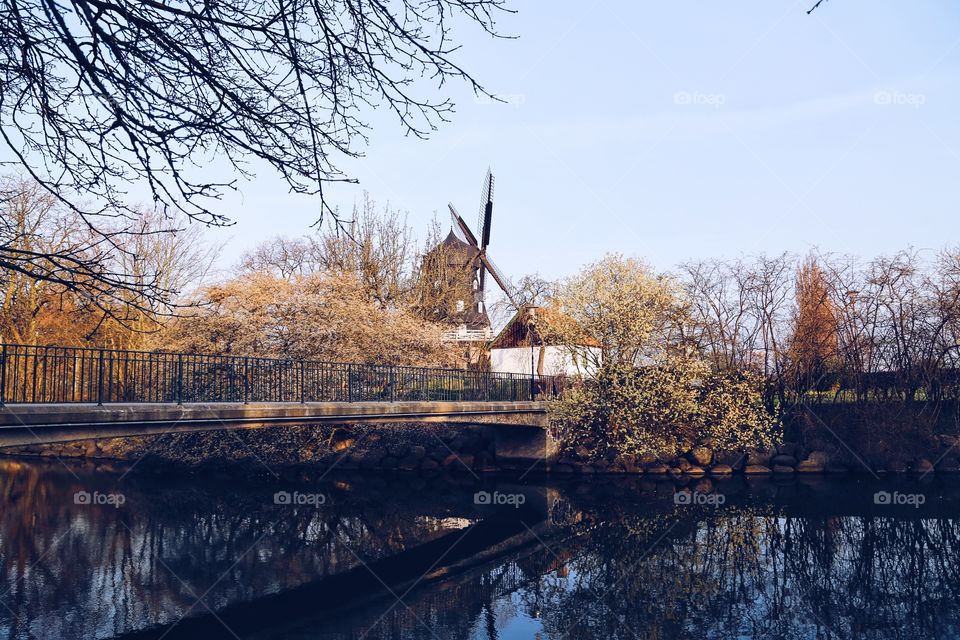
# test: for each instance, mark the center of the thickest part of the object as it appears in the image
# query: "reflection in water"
(83, 570)
(613, 559)
(814, 561)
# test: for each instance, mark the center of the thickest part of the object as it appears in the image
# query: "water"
(99, 552)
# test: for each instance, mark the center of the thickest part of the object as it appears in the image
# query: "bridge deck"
(24, 424)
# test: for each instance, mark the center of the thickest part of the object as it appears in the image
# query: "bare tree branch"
(100, 96)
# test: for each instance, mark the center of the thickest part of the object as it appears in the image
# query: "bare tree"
(42, 241)
(529, 290)
(896, 324)
(739, 313)
(946, 288)
(771, 294)
(377, 246)
(736, 308)
(283, 257)
(37, 233)
(101, 94)
(177, 259)
(854, 301)
(32, 227)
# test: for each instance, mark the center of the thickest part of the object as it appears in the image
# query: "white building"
(520, 348)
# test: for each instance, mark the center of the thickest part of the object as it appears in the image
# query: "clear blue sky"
(676, 130)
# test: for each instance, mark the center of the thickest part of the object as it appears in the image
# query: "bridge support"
(522, 448)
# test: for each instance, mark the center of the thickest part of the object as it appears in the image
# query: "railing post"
(246, 380)
(393, 387)
(532, 382)
(100, 379)
(3, 376)
(179, 378)
(349, 383)
(303, 384)
(280, 384)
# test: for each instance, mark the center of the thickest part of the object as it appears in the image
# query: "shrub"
(662, 409)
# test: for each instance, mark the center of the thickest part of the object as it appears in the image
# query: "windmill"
(455, 272)
(480, 262)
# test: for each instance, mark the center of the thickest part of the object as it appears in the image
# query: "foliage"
(316, 316)
(732, 410)
(653, 393)
(621, 306)
(813, 346)
(660, 410)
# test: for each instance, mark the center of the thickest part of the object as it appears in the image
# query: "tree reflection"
(612, 561)
(81, 570)
(744, 572)
(630, 568)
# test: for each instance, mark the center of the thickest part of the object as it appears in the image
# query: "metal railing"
(51, 374)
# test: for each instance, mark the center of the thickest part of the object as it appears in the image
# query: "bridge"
(51, 394)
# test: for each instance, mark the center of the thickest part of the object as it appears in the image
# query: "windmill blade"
(482, 272)
(497, 276)
(458, 223)
(486, 210)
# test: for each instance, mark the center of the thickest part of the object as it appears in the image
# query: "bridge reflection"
(98, 570)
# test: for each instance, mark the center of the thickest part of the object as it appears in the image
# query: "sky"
(674, 131)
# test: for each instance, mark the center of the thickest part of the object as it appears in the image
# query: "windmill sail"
(483, 223)
(497, 276)
(486, 210)
(460, 227)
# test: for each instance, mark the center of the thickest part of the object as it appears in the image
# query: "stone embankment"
(433, 448)
(400, 447)
(783, 460)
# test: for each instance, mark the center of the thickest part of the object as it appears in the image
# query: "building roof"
(457, 248)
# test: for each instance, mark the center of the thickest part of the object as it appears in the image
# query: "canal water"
(101, 551)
